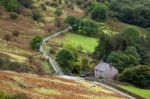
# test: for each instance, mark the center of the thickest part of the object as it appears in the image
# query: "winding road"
(53, 63)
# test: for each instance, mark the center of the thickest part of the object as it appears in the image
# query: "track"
(53, 63)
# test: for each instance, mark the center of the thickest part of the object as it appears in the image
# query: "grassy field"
(142, 92)
(86, 43)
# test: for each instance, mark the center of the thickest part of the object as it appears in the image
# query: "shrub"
(85, 65)
(16, 33)
(76, 69)
(43, 7)
(6, 64)
(58, 21)
(26, 3)
(103, 48)
(119, 59)
(99, 12)
(4, 95)
(139, 75)
(8, 37)
(11, 5)
(66, 59)
(36, 42)
(73, 22)
(130, 36)
(58, 12)
(123, 60)
(37, 15)
(20, 96)
(88, 27)
(13, 15)
(52, 51)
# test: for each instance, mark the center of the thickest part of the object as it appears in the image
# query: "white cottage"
(105, 70)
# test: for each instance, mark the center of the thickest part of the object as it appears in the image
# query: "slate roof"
(102, 66)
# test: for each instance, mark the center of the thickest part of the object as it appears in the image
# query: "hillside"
(18, 47)
(43, 40)
(37, 87)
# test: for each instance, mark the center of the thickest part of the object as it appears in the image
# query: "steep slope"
(37, 87)
(16, 34)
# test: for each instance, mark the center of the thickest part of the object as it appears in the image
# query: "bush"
(20, 96)
(4, 95)
(103, 48)
(8, 37)
(26, 3)
(139, 75)
(11, 5)
(6, 64)
(73, 22)
(88, 27)
(58, 12)
(85, 65)
(119, 60)
(130, 36)
(13, 15)
(16, 33)
(66, 59)
(99, 12)
(52, 51)
(37, 15)
(36, 42)
(43, 7)
(122, 60)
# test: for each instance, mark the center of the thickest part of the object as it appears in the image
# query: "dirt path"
(53, 63)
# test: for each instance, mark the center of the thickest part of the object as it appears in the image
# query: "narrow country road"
(53, 63)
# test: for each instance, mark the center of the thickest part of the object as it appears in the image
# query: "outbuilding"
(105, 70)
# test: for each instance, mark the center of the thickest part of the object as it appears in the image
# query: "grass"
(88, 44)
(48, 91)
(142, 92)
(47, 68)
(4, 95)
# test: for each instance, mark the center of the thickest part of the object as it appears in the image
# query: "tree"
(103, 48)
(133, 55)
(131, 11)
(88, 27)
(130, 36)
(66, 59)
(122, 60)
(85, 65)
(119, 60)
(11, 5)
(36, 42)
(139, 75)
(144, 55)
(99, 12)
(118, 43)
(73, 22)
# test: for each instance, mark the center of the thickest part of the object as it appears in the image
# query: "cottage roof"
(102, 66)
